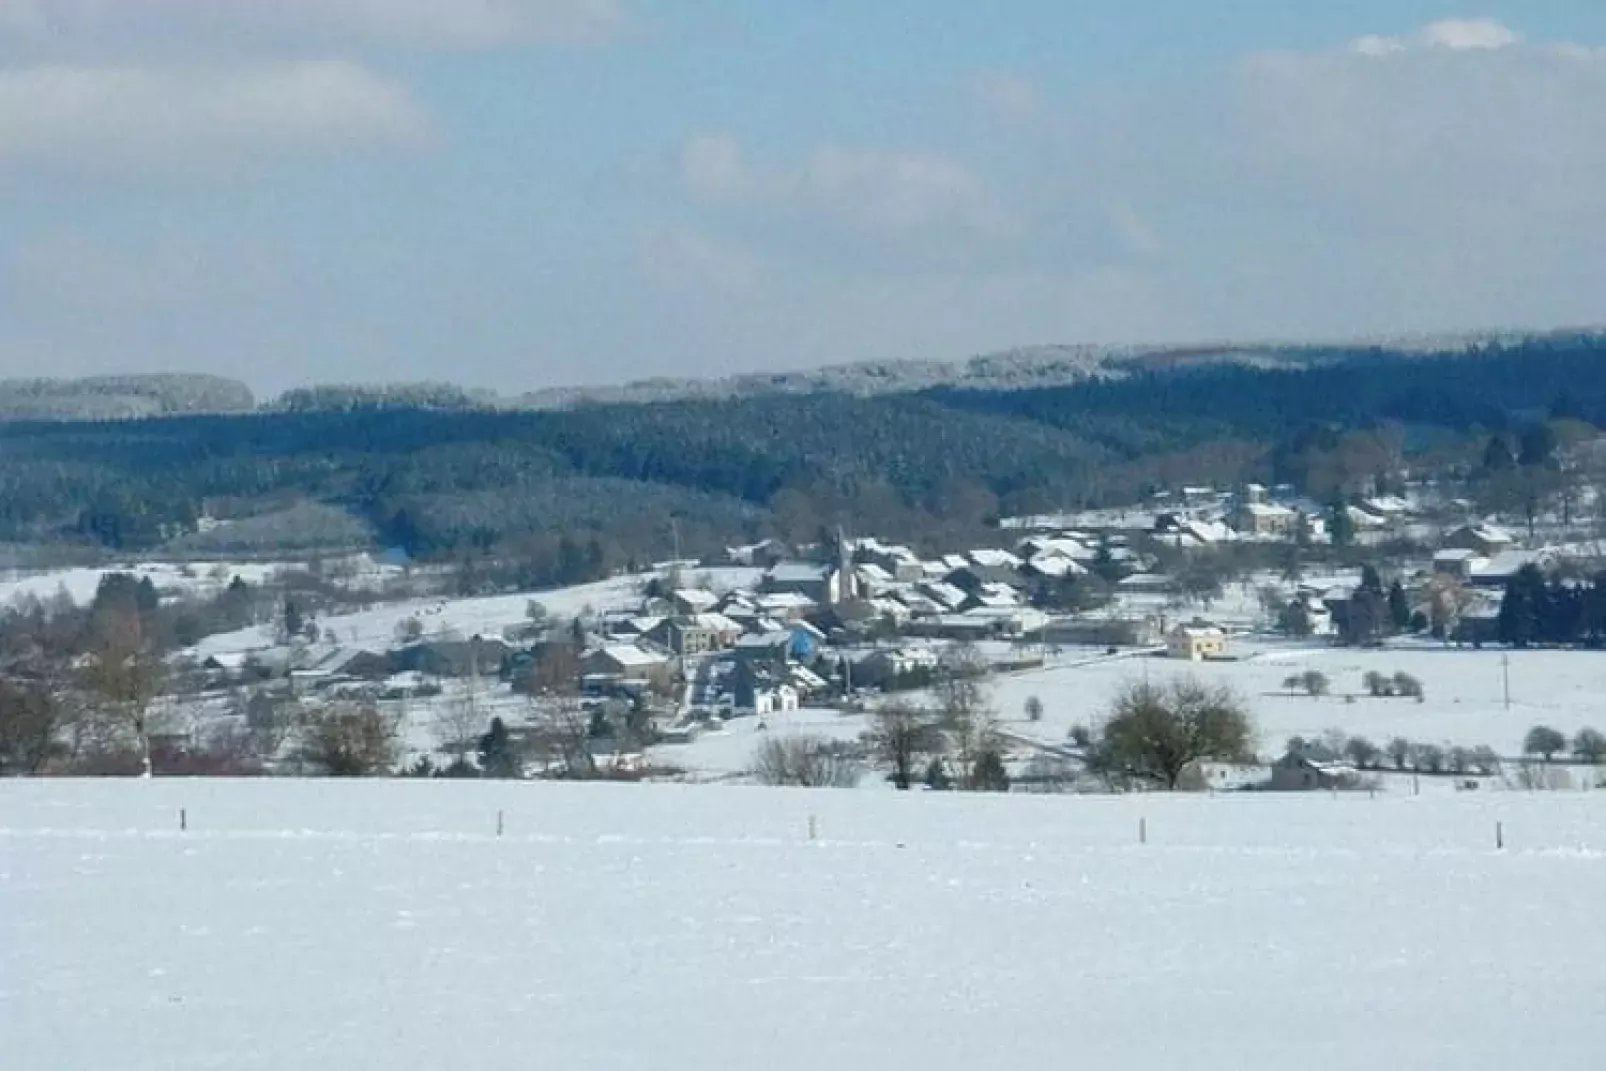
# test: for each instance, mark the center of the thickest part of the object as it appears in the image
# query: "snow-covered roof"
(797, 573)
(627, 654)
(716, 623)
(785, 600)
(994, 558)
(697, 598)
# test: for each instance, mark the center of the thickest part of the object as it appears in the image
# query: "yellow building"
(1196, 642)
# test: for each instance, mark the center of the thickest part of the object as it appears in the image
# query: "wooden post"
(1143, 831)
(183, 820)
(499, 823)
(814, 828)
(1499, 836)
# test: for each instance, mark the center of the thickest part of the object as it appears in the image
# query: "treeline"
(1538, 610)
(425, 471)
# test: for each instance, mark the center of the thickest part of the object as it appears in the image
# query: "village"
(676, 672)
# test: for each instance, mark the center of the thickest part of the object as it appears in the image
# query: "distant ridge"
(122, 397)
(1022, 368)
(1027, 367)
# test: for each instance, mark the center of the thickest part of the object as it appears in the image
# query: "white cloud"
(1446, 178)
(55, 24)
(1464, 35)
(1451, 35)
(711, 165)
(1007, 96)
(182, 120)
(900, 191)
(866, 190)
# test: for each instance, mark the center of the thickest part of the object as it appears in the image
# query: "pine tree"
(1524, 613)
(1340, 525)
(497, 755)
(1399, 607)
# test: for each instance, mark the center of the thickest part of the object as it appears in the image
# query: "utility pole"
(1505, 676)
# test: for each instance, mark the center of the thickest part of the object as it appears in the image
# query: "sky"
(524, 193)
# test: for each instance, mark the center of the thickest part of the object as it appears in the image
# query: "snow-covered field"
(80, 583)
(487, 616)
(316, 925)
(1464, 703)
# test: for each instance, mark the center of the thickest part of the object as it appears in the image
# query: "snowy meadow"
(389, 924)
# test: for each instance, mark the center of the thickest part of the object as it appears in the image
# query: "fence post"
(1500, 836)
(1143, 831)
(814, 828)
(499, 822)
(183, 820)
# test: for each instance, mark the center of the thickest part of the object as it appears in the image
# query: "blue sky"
(522, 193)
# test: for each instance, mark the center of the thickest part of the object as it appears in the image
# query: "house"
(806, 640)
(693, 601)
(1486, 539)
(1457, 562)
(944, 594)
(824, 584)
(756, 691)
(1052, 565)
(1196, 642)
(454, 658)
(1498, 570)
(1101, 632)
(1263, 520)
(771, 648)
(685, 637)
(787, 605)
(764, 555)
(1311, 770)
(972, 578)
(625, 662)
(958, 627)
(898, 562)
(993, 558)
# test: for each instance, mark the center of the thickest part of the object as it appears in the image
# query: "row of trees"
(1536, 609)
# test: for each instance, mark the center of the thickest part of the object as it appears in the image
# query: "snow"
(325, 925)
(81, 583)
(375, 628)
(1464, 702)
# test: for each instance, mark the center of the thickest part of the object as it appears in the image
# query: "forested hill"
(112, 397)
(613, 478)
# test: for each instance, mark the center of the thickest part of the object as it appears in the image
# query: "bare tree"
(901, 735)
(560, 738)
(805, 762)
(1034, 708)
(29, 719)
(965, 710)
(1157, 731)
(349, 740)
(456, 724)
(125, 673)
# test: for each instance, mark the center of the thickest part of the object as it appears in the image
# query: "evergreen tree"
(1537, 445)
(1340, 525)
(1497, 455)
(498, 757)
(1399, 607)
(1524, 608)
(295, 621)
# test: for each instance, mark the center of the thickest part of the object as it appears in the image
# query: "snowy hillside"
(384, 924)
